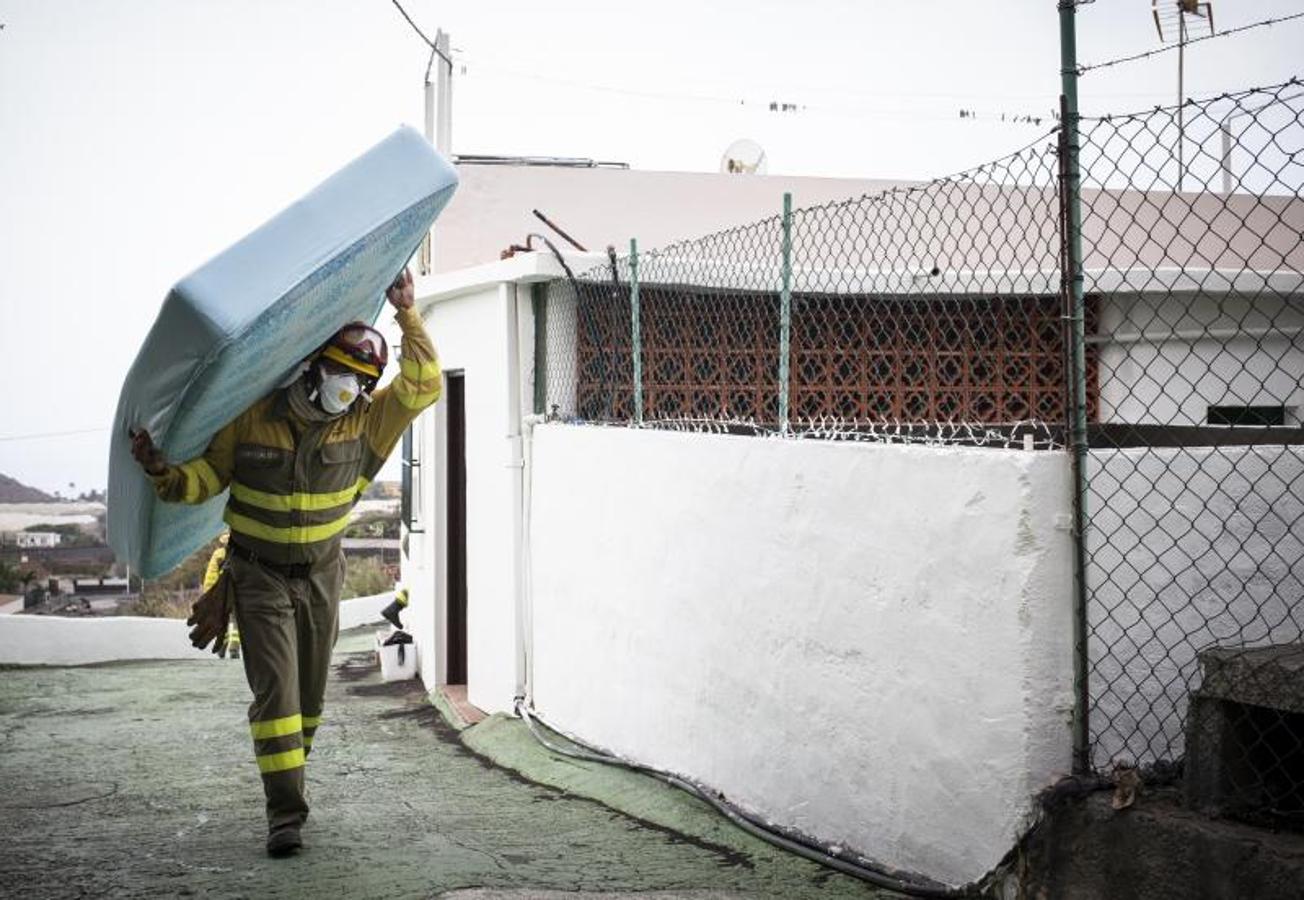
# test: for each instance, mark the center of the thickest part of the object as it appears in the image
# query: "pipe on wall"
(525, 604)
(516, 462)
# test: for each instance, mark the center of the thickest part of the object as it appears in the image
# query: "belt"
(288, 570)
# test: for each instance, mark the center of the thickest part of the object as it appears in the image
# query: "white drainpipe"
(525, 609)
(517, 464)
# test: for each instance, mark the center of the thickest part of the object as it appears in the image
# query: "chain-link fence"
(1194, 480)
(895, 316)
(941, 312)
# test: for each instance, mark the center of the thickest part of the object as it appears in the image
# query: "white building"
(32, 539)
(867, 643)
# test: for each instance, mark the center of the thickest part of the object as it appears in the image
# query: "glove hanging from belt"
(211, 615)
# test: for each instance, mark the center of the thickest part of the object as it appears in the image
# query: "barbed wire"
(1083, 69)
(1275, 97)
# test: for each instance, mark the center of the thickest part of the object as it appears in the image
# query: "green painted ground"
(137, 780)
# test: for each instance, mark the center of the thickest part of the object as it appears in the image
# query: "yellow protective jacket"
(214, 569)
(293, 483)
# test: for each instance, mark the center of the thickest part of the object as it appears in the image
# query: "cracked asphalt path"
(137, 780)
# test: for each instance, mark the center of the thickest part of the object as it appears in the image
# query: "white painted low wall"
(869, 643)
(363, 610)
(60, 641)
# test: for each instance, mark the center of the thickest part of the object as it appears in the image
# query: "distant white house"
(31, 539)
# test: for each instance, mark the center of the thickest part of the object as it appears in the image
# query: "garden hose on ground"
(745, 821)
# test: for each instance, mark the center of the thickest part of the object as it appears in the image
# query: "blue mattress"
(234, 329)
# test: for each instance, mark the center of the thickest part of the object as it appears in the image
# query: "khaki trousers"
(288, 628)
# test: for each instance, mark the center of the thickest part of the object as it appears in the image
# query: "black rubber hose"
(760, 830)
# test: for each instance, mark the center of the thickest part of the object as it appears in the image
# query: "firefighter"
(296, 462)
(211, 574)
(395, 608)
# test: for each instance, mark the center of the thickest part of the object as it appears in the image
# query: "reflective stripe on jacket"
(293, 484)
(214, 569)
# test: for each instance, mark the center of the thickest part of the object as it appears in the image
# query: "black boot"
(390, 614)
(284, 842)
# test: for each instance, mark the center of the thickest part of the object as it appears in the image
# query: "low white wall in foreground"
(363, 610)
(871, 644)
(60, 641)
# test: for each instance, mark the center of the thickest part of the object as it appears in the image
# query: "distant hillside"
(14, 491)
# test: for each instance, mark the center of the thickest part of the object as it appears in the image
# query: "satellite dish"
(744, 157)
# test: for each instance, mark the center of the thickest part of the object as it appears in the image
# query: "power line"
(1219, 34)
(50, 434)
(511, 62)
(777, 106)
(434, 51)
(415, 27)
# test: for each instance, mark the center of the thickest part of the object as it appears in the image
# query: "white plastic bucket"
(398, 662)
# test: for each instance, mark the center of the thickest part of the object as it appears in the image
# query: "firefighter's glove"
(149, 456)
(211, 615)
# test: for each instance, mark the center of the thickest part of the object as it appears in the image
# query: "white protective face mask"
(337, 391)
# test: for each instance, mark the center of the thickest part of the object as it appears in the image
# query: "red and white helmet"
(361, 348)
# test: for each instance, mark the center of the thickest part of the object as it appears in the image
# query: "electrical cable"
(753, 826)
(770, 105)
(507, 65)
(429, 43)
(1082, 70)
(50, 434)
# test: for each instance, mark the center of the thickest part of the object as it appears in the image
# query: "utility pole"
(444, 85)
(439, 118)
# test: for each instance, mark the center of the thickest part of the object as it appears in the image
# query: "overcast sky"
(140, 137)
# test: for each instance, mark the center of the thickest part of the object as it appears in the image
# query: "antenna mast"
(1171, 18)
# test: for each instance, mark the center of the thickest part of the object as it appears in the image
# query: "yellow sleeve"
(203, 477)
(214, 568)
(417, 385)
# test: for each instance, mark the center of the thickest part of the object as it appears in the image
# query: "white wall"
(419, 564)
(493, 206)
(868, 643)
(469, 327)
(57, 641)
(360, 611)
(67, 641)
(1164, 359)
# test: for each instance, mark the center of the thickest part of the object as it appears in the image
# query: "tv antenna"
(1174, 20)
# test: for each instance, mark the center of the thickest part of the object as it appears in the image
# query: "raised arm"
(417, 385)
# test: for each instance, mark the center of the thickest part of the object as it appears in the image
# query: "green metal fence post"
(636, 338)
(1072, 218)
(785, 313)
